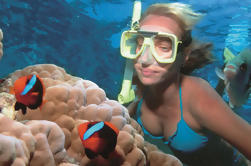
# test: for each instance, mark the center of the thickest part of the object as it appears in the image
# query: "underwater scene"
(61, 72)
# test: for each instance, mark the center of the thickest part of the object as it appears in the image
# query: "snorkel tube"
(127, 93)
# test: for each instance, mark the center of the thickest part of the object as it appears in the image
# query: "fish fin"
(113, 127)
(24, 109)
(90, 154)
(228, 55)
(105, 155)
(219, 73)
(41, 106)
(231, 105)
(108, 151)
(11, 90)
(20, 106)
(116, 158)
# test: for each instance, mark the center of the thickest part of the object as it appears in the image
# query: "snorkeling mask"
(163, 46)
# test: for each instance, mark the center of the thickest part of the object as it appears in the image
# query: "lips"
(147, 72)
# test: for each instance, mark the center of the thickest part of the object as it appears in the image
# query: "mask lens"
(139, 42)
(131, 43)
(163, 47)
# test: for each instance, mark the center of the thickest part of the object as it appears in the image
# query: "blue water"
(83, 36)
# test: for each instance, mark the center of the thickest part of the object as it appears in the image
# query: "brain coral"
(49, 135)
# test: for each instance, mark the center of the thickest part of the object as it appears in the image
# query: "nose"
(146, 58)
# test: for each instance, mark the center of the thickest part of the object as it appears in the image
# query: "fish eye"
(243, 67)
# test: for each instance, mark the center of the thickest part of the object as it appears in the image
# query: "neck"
(162, 93)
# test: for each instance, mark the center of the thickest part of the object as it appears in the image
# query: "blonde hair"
(182, 12)
(200, 53)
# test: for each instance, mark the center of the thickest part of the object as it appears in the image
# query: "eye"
(243, 67)
(163, 44)
(165, 48)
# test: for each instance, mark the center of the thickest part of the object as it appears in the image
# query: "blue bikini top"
(184, 139)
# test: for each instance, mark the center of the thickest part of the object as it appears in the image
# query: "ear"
(187, 52)
(186, 58)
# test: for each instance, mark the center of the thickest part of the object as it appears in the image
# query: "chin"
(149, 81)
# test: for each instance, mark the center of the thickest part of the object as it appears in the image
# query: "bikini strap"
(181, 107)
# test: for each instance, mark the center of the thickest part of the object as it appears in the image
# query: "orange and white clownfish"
(98, 138)
(29, 91)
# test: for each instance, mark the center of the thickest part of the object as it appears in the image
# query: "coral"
(50, 133)
(13, 151)
(7, 102)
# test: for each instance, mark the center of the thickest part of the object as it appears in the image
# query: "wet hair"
(185, 16)
(199, 54)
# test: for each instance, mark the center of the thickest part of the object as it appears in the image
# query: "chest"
(161, 121)
(164, 120)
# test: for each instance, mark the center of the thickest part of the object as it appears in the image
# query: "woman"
(184, 111)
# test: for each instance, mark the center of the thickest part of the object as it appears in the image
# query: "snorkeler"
(184, 111)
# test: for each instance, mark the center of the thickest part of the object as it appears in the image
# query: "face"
(148, 69)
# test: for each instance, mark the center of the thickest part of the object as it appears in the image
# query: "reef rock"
(49, 136)
(7, 102)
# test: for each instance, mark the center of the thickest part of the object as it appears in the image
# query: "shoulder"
(197, 86)
(202, 99)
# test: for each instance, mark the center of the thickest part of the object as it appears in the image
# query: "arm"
(212, 113)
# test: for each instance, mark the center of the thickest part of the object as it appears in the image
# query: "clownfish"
(98, 138)
(29, 91)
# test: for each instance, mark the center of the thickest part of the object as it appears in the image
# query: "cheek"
(137, 67)
(162, 73)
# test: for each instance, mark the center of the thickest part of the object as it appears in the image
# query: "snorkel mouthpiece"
(127, 93)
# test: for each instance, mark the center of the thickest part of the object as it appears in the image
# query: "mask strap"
(186, 39)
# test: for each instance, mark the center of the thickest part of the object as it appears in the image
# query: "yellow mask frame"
(128, 44)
